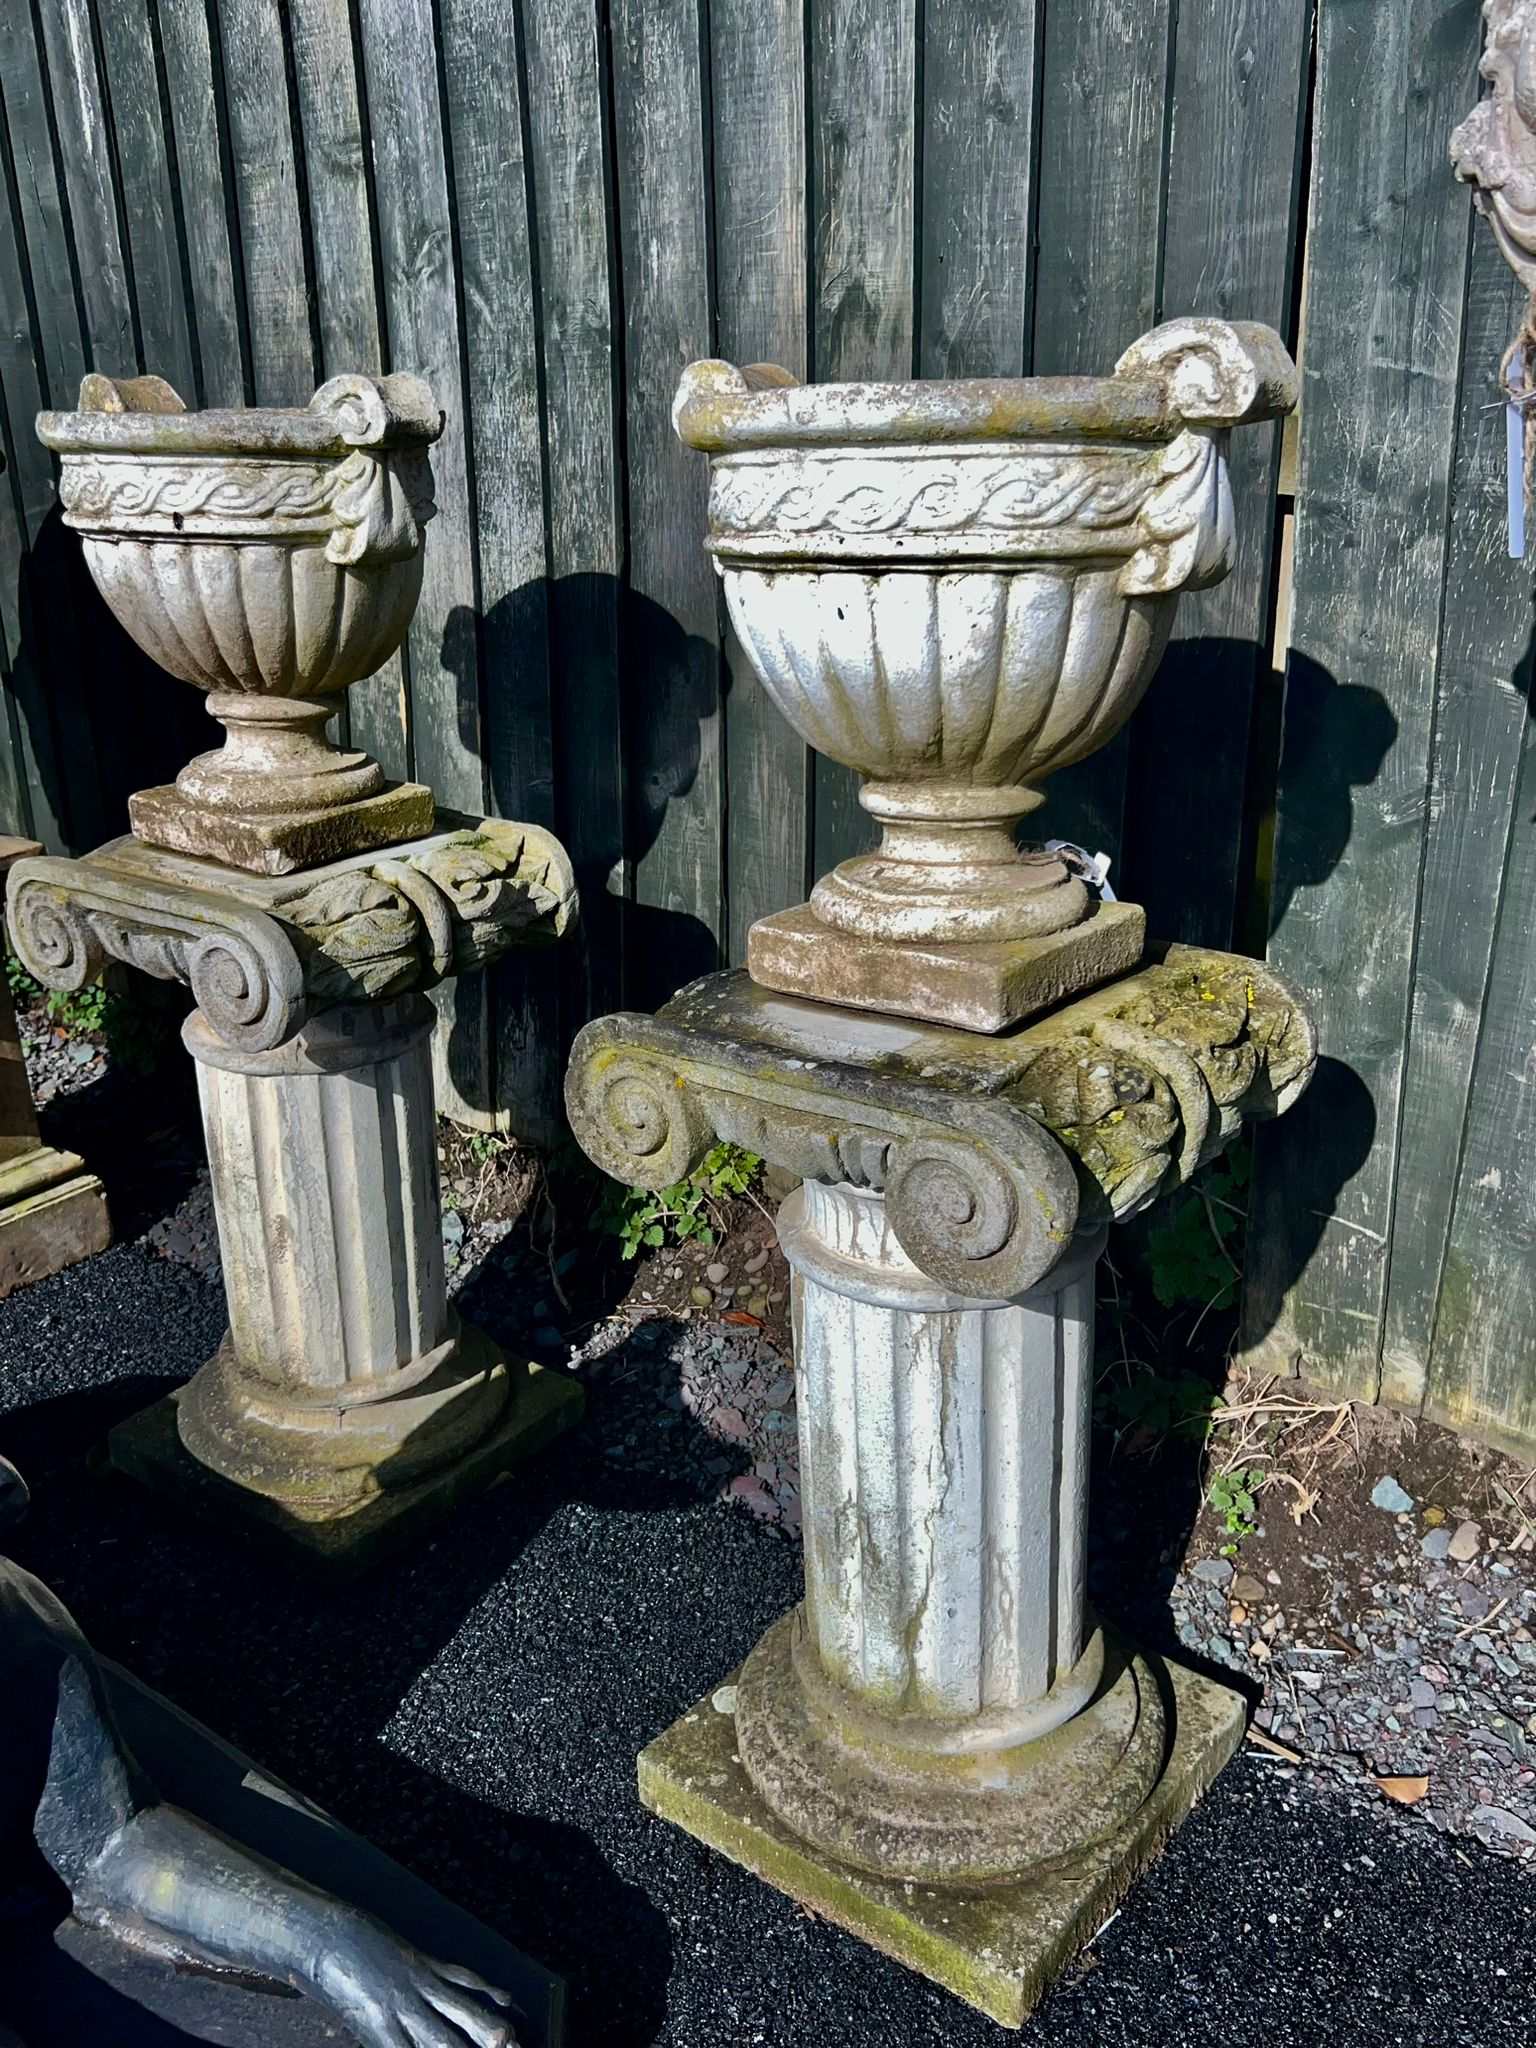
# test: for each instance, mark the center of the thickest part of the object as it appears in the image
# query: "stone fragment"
(1387, 1494)
(1498, 1820)
(1437, 1544)
(1247, 1588)
(1466, 1543)
(1214, 1571)
(1472, 1600)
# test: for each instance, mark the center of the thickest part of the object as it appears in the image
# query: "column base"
(336, 1540)
(1000, 1948)
(985, 987)
(52, 1214)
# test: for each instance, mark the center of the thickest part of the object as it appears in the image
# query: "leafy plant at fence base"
(1197, 1254)
(687, 1210)
(1232, 1496)
(1183, 1405)
(134, 1030)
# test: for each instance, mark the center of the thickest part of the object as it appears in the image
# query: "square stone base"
(980, 988)
(52, 1214)
(999, 1950)
(337, 1544)
(281, 845)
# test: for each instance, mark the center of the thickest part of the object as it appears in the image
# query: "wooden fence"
(549, 206)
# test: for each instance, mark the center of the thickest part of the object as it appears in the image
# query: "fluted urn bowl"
(271, 558)
(958, 588)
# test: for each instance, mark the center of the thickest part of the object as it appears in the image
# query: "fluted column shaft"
(323, 1154)
(944, 1473)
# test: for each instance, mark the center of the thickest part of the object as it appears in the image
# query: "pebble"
(1501, 1822)
(1247, 1588)
(1421, 1693)
(717, 1273)
(1214, 1571)
(757, 1261)
(1436, 1545)
(1472, 1600)
(701, 1297)
(1387, 1494)
(1466, 1543)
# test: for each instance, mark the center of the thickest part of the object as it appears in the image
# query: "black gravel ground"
(475, 1708)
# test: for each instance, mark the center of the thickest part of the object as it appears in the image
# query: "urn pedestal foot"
(347, 1405)
(984, 987)
(281, 842)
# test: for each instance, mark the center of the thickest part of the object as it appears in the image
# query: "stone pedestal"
(942, 1748)
(347, 1406)
(52, 1211)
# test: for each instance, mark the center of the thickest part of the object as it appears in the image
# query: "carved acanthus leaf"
(408, 923)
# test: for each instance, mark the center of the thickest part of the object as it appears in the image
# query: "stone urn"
(271, 558)
(957, 589)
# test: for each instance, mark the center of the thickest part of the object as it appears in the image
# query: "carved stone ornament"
(271, 558)
(958, 588)
(260, 955)
(1494, 149)
(990, 1152)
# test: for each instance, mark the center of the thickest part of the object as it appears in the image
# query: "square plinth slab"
(52, 1214)
(980, 988)
(999, 1950)
(338, 1544)
(285, 844)
(66, 1982)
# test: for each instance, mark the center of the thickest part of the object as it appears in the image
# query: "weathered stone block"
(999, 1948)
(977, 987)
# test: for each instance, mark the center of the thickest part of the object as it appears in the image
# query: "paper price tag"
(1514, 444)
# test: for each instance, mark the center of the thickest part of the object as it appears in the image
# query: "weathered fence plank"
(194, 91)
(86, 158)
(1237, 111)
(671, 659)
(143, 180)
(582, 364)
(484, 85)
(757, 71)
(1102, 184)
(1386, 275)
(980, 79)
(37, 366)
(864, 212)
(1483, 1365)
(1481, 715)
(265, 158)
(416, 237)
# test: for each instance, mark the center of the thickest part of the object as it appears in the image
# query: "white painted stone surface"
(944, 1473)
